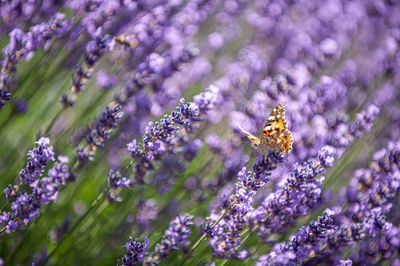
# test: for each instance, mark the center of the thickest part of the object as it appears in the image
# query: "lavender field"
(200, 132)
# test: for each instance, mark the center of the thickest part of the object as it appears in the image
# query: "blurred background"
(91, 75)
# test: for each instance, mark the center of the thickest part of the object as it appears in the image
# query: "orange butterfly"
(276, 136)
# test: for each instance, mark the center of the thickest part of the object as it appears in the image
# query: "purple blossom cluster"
(369, 198)
(149, 74)
(100, 131)
(299, 193)
(135, 252)
(18, 13)
(94, 51)
(361, 217)
(225, 234)
(163, 137)
(34, 191)
(116, 180)
(302, 243)
(176, 237)
(303, 190)
(99, 18)
(151, 30)
(364, 121)
(38, 159)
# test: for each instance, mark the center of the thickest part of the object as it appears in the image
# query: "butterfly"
(276, 137)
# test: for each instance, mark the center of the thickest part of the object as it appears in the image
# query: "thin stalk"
(53, 120)
(75, 226)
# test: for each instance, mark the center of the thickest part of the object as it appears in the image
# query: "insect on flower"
(276, 136)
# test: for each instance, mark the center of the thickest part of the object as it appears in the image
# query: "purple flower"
(364, 121)
(25, 206)
(298, 194)
(100, 131)
(37, 161)
(190, 150)
(176, 237)
(133, 148)
(216, 40)
(302, 243)
(94, 51)
(345, 263)
(59, 173)
(384, 246)
(163, 138)
(208, 99)
(135, 252)
(105, 81)
(225, 236)
(116, 180)
(185, 114)
(370, 195)
(327, 156)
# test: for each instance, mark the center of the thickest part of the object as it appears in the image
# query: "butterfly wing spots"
(287, 141)
(279, 109)
(271, 128)
(277, 113)
(271, 143)
(280, 142)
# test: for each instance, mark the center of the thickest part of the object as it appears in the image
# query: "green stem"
(75, 226)
(53, 120)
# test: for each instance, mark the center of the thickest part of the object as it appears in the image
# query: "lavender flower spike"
(135, 252)
(176, 237)
(162, 137)
(301, 244)
(37, 161)
(225, 236)
(26, 201)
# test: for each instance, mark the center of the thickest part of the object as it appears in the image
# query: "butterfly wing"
(275, 135)
(254, 140)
